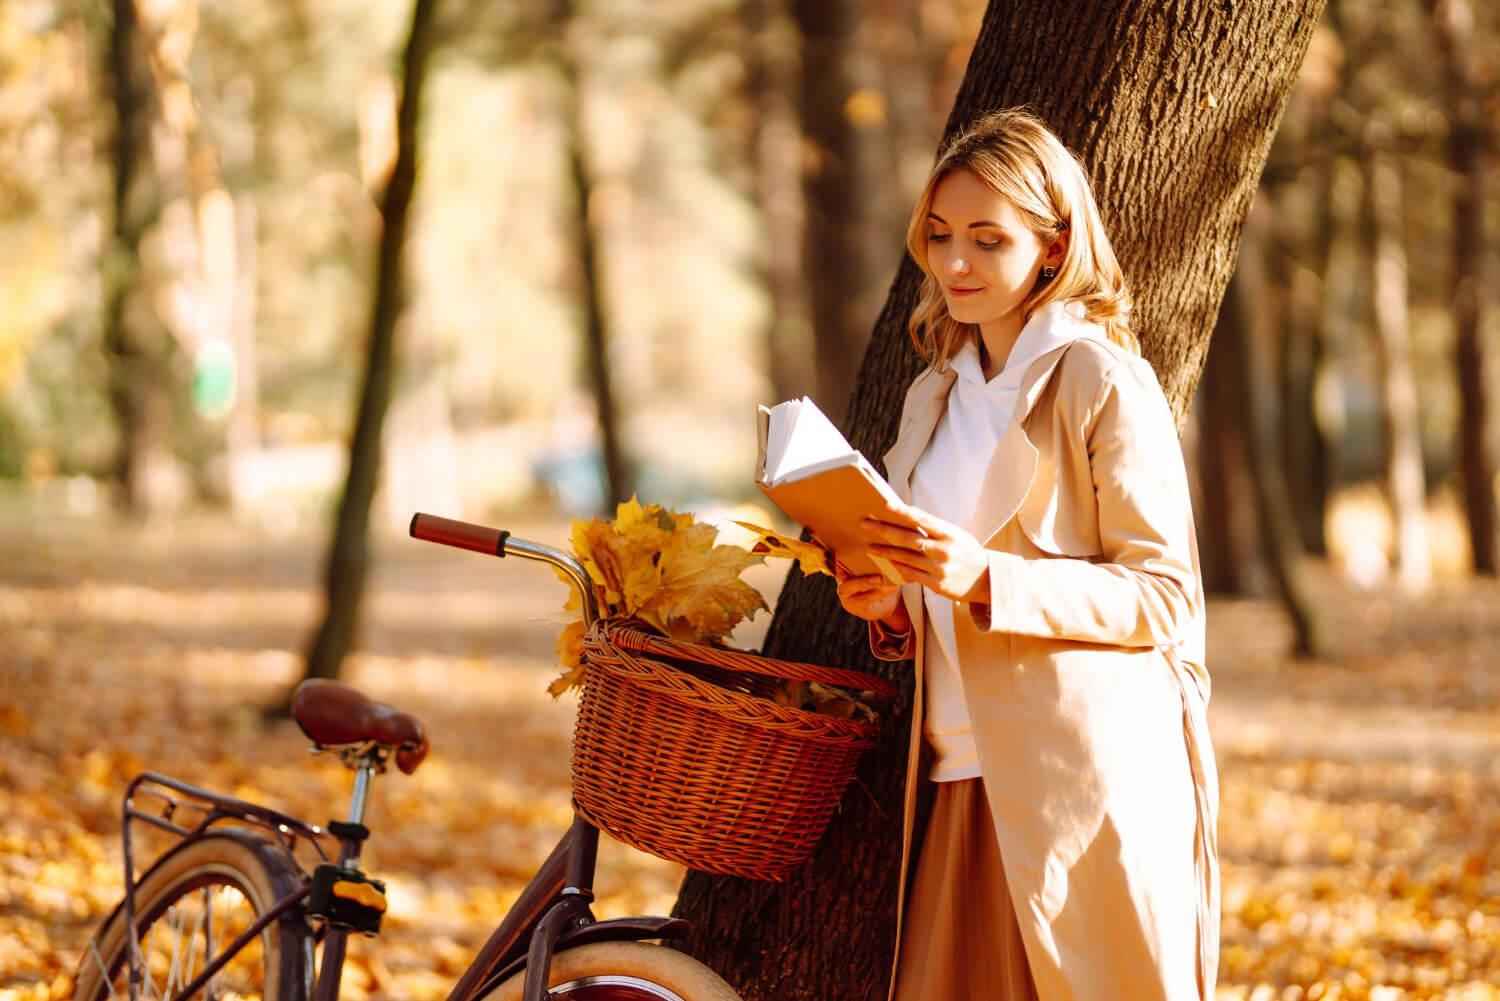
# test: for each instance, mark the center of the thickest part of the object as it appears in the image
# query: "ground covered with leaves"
(1360, 830)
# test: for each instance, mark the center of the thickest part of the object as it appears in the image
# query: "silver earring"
(1048, 273)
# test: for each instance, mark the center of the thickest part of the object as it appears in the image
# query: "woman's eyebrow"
(973, 225)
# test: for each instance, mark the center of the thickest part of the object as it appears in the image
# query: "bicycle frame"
(552, 913)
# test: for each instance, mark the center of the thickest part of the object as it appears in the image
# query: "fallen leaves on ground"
(1360, 830)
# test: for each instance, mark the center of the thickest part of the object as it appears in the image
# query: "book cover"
(807, 469)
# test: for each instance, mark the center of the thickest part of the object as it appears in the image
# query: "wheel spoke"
(175, 919)
(196, 901)
(104, 976)
(184, 951)
(148, 979)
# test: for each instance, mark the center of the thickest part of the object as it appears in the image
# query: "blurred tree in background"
(348, 558)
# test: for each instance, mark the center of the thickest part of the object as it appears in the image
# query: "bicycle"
(231, 911)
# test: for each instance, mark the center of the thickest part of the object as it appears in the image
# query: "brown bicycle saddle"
(333, 713)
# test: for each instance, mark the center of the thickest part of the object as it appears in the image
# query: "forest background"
(628, 223)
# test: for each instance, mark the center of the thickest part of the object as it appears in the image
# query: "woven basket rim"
(634, 635)
(640, 668)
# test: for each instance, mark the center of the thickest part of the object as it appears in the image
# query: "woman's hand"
(941, 556)
(871, 596)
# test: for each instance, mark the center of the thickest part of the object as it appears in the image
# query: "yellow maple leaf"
(569, 658)
(631, 519)
(574, 602)
(604, 554)
(811, 557)
(700, 584)
(643, 533)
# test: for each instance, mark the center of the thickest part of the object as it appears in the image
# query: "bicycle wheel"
(624, 971)
(195, 901)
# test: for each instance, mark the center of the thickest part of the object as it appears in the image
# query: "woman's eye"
(982, 245)
(937, 237)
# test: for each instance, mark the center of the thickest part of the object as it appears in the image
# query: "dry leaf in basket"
(666, 570)
(663, 568)
(827, 700)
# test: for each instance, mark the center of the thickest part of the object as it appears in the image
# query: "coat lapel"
(924, 408)
(1012, 467)
(925, 403)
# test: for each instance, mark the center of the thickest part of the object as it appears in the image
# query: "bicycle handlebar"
(498, 542)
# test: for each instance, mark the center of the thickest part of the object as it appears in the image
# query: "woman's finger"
(891, 532)
(904, 559)
(930, 523)
(863, 585)
(922, 552)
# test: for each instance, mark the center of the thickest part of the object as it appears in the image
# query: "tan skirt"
(960, 940)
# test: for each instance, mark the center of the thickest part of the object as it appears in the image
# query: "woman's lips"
(963, 291)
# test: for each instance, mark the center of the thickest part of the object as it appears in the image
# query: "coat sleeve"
(887, 644)
(1143, 590)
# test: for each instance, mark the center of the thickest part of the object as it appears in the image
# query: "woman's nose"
(958, 265)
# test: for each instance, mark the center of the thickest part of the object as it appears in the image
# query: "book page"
(802, 440)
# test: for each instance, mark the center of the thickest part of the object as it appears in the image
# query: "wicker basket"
(679, 752)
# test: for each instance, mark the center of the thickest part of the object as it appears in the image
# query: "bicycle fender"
(282, 867)
(615, 930)
(624, 930)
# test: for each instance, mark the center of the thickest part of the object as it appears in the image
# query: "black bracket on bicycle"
(346, 898)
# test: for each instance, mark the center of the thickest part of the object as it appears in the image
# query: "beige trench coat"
(1084, 679)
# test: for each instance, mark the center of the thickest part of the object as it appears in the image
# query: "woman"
(1052, 607)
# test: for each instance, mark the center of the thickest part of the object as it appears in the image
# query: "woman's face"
(986, 258)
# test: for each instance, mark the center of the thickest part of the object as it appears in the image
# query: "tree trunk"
(132, 338)
(1169, 106)
(1243, 321)
(242, 437)
(1302, 455)
(1223, 476)
(348, 558)
(1467, 135)
(778, 179)
(618, 481)
(1405, 476)
(846, 192)
(1340, 263)
(617, 478)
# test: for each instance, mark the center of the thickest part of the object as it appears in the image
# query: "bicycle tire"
(275, 966)
(624, 971)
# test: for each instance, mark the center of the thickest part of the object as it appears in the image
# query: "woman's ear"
(1053, 256)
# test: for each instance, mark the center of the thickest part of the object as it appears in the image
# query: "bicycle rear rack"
(214, 807)
(173, 795)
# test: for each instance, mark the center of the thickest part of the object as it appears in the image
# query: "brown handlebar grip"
(459, 534)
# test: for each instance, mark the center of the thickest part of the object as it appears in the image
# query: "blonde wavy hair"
(1014, 153)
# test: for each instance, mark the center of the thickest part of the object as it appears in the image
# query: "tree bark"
(1172, 108)
(132, 339)
(348, 558)
(1467, 135)
(1406, 483)
(1243, 321)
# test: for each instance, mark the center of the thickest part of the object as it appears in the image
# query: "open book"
(810, 471)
